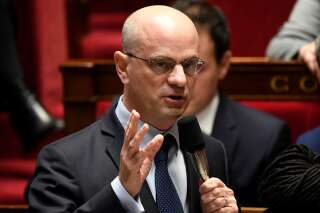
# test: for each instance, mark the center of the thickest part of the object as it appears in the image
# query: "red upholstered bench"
(14, 176)
(104, 36)
(300, 115)
(14, 171)
(95, 26)
(102, 43)
(16, 166)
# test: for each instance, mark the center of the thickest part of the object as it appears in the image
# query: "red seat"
(300, 115)
(12, 190)
(14, 176)
(101, 44)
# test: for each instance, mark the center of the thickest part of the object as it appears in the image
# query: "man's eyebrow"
(167, 57)
(162, 57)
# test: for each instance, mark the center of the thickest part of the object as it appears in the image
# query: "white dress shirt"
(176, 166)
(207, 116)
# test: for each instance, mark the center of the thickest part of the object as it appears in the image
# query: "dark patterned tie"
(166, 195)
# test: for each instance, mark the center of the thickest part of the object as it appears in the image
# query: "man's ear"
(224, 64)
(121, 62)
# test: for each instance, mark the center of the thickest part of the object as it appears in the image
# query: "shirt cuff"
(127, 201)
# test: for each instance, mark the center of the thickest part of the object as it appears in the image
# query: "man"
(116, 164)
(251, 138)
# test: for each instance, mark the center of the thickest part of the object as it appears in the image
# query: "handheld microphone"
(191, 139)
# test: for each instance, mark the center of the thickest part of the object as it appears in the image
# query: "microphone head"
(190, 134)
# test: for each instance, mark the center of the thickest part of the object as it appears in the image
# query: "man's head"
(214, 50)
(154, 39)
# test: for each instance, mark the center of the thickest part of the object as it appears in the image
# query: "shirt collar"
(123, 115)
(207, 116)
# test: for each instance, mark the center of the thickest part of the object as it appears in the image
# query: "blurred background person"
(311, 139)
(251, 138)
(299, 36)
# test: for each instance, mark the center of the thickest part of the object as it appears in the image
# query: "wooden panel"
(87, 81)
(252, 210)
(84, 83)
(14, 209)
(260, 78)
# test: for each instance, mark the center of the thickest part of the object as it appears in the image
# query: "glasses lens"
(192, 66)
(161, 65)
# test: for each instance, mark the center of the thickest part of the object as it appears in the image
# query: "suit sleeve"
(54, 188)
(302, 27)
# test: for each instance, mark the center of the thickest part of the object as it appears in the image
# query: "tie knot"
(168, 142)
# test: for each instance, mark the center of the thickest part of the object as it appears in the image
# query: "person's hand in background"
(308, 55)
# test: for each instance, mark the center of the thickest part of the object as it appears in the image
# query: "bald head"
(153, 24)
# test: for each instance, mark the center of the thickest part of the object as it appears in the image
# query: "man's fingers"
(131, 127)
(217, 193)
(214, 204)
(153, 146)
(134, 145)
(313, 66)
(308, 55)
(210, 184)
(226, 203)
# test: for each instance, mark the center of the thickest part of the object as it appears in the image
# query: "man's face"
(160, 98)
(207, 79)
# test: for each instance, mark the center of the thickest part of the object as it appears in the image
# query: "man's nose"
(177, 76)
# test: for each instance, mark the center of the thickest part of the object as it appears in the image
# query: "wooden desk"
(88, 81)
(13, 209)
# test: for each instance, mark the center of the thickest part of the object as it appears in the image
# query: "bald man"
(116, 164)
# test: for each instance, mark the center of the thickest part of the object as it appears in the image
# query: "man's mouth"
(176, 97)
(175, 100)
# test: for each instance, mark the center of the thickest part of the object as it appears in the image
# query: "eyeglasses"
(162, 65)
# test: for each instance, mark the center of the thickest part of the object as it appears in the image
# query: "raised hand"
(217, 197)
(135, 163)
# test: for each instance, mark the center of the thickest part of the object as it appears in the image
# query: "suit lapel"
(112, 129)
(114, 133)
(193, 195)
(225, 126)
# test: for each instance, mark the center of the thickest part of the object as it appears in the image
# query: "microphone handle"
(202, 163)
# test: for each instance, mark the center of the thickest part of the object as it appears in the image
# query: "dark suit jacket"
(74, 173)
(251, 139)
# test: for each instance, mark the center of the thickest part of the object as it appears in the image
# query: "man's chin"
(174, 112)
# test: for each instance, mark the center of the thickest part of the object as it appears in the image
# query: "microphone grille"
(190, 134)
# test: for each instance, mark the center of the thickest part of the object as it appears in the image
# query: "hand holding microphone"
(215, 195)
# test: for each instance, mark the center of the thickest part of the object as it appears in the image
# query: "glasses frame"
(148, 62)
